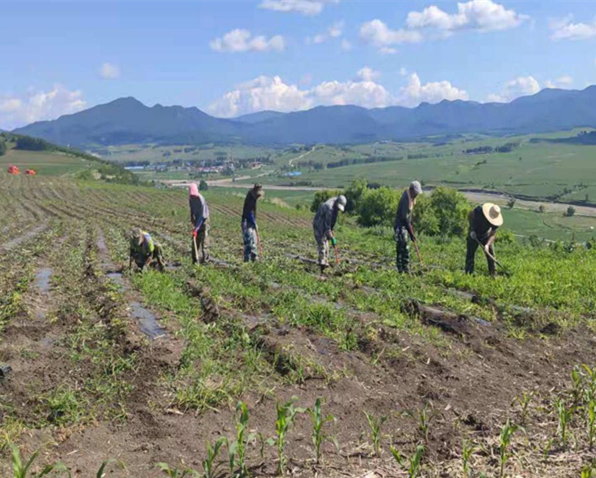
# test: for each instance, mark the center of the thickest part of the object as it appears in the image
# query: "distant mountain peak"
(127, 120)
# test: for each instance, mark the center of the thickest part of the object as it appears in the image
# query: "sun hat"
(416, 187)
(492, 213)
(341, 203)
(136, 234)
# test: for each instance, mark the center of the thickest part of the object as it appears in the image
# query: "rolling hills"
(127, 121)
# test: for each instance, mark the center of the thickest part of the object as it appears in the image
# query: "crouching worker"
(484, 222)
(144, 251)
(199, 217)
(403, 226)
(250, 230)
(323, 226)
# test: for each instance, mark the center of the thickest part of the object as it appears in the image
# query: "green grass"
(44, 163)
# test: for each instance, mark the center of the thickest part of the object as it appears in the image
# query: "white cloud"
(561, 82)
(368, 74)
(306, 7)
(565, 29)
(262, 93)
(433, 22)
(241, 40)
(109, 71)
(381, 36)
(272, 93)
(521, 86)
(415, 92)
(364, 93)
(334, 31)
(480, 15)
(36, 106)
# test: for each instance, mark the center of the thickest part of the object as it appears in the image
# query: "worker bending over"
(250, 230)
(403, 226)
(323, 226)
(199, 218)
(484, 222)
(144, 251)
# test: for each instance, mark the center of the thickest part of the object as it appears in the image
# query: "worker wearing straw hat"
(484, 222)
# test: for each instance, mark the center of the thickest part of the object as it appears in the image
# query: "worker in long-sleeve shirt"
(323, 226)
(484, 222)
(250, 230)
(199, 217)
(403, 225)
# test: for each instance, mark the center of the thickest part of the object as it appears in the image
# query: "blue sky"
(235, 57)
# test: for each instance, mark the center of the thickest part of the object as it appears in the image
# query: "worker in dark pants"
(484, 222)
(250, 230)
(199, 218)
(403, 226)
(144, 251)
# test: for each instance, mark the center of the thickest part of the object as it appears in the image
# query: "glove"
(194, 233)
(334, 241)
(473, 236)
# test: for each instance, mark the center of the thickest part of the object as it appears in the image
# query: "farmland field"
(148, 368)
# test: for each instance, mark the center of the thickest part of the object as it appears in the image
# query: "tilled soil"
(466, 382)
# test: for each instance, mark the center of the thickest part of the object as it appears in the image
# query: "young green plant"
(375, 425)
(319, 420)
(413, 464)
(243, 438)
(286, 416)
(209, 465)
(176, 473)
(21, 469)
(505, 440)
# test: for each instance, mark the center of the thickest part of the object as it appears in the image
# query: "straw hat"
(492, 213)
(136, 234)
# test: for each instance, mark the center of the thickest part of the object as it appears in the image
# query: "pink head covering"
(194, 190)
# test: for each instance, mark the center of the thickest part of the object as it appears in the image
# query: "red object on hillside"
(30, 172)
(12, 169)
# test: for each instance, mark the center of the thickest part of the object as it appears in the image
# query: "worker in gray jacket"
(323, 226)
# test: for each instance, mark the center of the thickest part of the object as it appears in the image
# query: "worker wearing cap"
(250, 230)
(484, 222)
(323, 226)
(403, 225)
(144, 251)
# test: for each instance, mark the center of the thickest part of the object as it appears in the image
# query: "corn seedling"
(467, 450)
(318, 437)
(209, 466)
(101, 473)
(286, 415)
(591, 422)
(564, 414)
(243, 438)
(176, 473)
(590, 388)
(413, 464)
(505, 440)
(21, 469)
(376, 424)
(578, 385)
(588, 471)
(524, 403)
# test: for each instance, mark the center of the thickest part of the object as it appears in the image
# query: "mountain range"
(127, 121)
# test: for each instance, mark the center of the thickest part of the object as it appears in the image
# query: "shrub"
(203, 186)
(378, 207)
(444, 212)
(2, 148)
(321, 197)
(354, 194)
(505, 236)
(570, 211)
